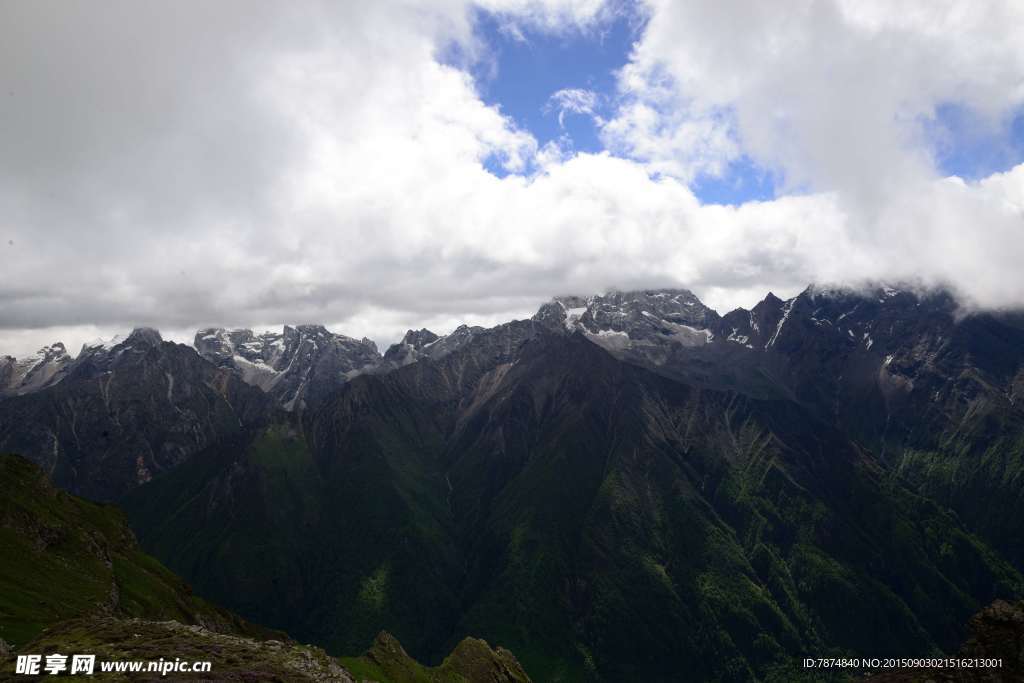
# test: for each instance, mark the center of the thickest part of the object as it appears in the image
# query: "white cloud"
(832, 94)
(671, 139)
(573, 101)
(315, 162)
(548, 15)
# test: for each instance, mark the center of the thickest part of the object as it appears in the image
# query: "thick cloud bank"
(184, 164)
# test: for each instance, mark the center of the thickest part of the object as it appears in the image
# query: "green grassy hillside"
(64, 557)
(72, 579)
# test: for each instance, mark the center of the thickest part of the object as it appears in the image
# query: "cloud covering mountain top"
(256, 163)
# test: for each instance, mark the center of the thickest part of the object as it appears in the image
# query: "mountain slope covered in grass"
(73, 580)
(65, 558)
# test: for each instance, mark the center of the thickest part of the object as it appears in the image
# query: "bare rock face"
(647, 327)
(642, 315)
(125, 411)
(419, 338)
(42, 369)
(7, 370)
(409, 350)
(298, 367)
(477, 661)
(424, 344)
(995, 633)
(472, 660)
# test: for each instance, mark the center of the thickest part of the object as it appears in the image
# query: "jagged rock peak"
(97, 345)
(33, 372)
(878, 291)
(419, 338)
(139, 338)
(572, 300)
(310, 330)
(224, 342)
(49, 353)
(299, 365)
(420, 344)
(144, 336)
(639, 311)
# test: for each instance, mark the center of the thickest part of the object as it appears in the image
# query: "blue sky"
(966, 145)
(525, 66)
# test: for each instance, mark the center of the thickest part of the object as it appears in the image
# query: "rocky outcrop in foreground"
(472, 661)
(996, 632)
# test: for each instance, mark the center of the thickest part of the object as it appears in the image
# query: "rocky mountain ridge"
(303, 362)
(873, 360)
(581, 486)
(35, 372)
(297, 367)
(127, 410)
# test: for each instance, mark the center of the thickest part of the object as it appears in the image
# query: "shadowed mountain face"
(597, 518)
(74, 580)
(125, 412)
(932, 392)
(625, 487)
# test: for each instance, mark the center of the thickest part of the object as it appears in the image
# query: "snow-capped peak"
(42, 368)
(102, 344)
(288, 363)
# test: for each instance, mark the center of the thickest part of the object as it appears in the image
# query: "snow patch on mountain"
(43, 368)
(291, 364)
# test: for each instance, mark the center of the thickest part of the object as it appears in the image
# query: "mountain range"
(624, 487)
